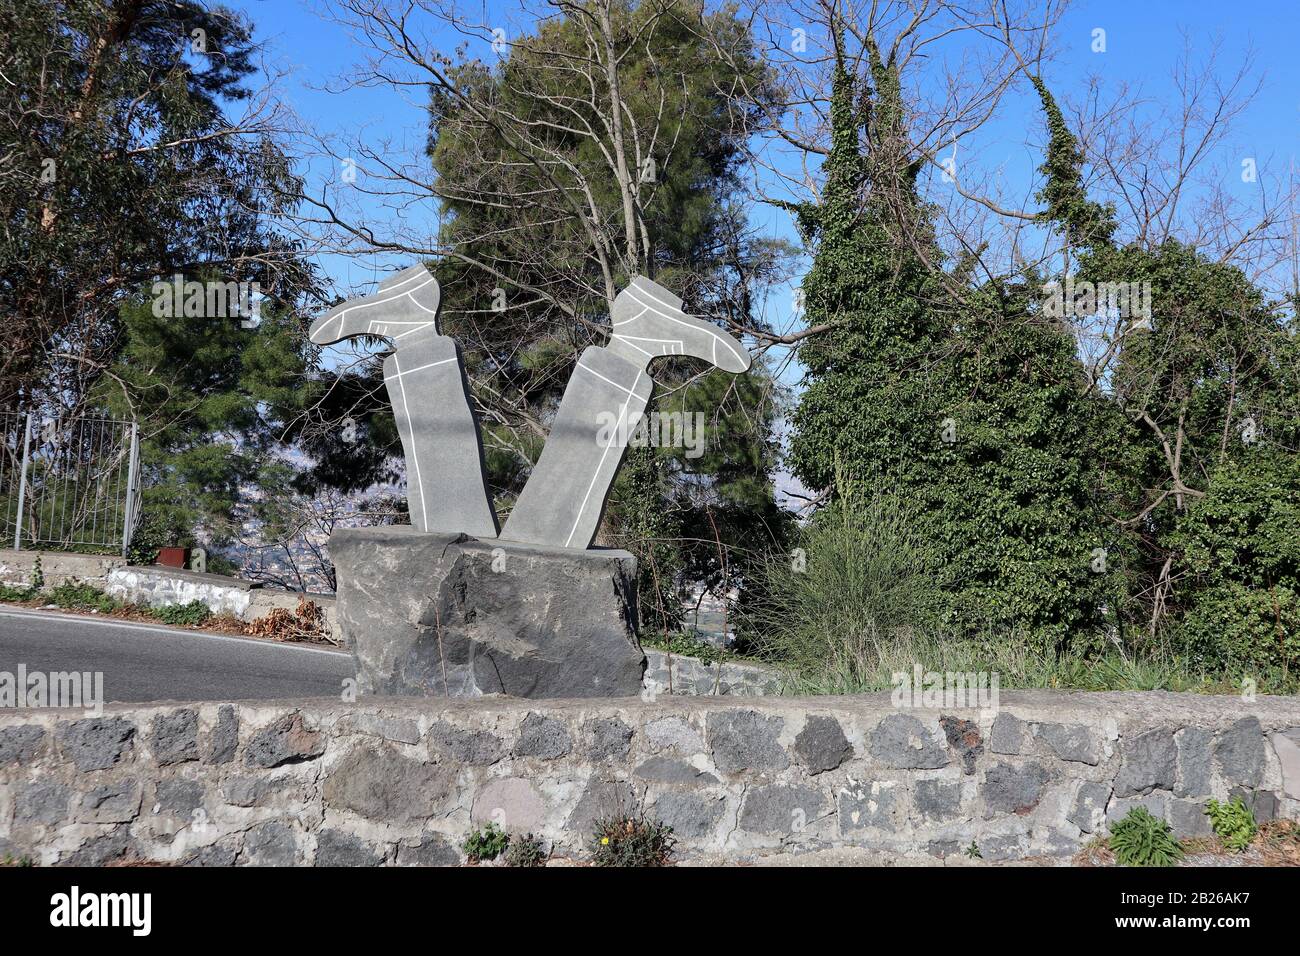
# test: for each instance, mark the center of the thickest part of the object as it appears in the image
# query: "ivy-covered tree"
(970, 412)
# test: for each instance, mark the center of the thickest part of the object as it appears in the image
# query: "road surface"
(143, 662)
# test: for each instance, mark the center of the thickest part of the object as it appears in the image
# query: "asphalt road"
(143, 662)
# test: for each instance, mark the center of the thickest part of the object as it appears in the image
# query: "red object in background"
(173, 557)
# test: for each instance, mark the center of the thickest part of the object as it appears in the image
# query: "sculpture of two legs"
(563, 501)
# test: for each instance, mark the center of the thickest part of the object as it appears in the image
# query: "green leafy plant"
(1233, 822)
(486, 843)
(79, 596)
(973, 851)
(183, 615)
(38, 575)
(1143, 840)
(632, 841)
(525, 850)
(16, 595)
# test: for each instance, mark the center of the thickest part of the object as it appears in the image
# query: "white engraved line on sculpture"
(587, 497)
(633, 319)
(415, 274)
(665, 315)
(387, 298)
(671, 346)
(623, 388)
(411, 371)
(410, 427)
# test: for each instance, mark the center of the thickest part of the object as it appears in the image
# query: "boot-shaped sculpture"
(565, 496)
(425, 378)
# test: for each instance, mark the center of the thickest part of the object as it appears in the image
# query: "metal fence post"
(22, 484)
(129, 516)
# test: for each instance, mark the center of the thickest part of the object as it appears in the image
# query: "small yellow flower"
(604, 841)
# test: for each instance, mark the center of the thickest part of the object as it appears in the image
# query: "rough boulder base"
(446, 615)
(399, 782)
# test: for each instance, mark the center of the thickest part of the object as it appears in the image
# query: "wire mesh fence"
(68, 484)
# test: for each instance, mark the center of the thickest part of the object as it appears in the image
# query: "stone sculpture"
(447, 606)
(425, 379)
(565, 496)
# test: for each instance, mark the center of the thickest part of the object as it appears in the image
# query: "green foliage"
(193, 614)
(973, 851)
(78, 596)
(860, 578)
(526, 850)
(486, 843)
(1233, 822)
(120, 166)
(687, 644)
(38, 574)
(631, 841)
(15, 595)
(972, 414)
(211, 396)
(1141, 839)
(1082, 221)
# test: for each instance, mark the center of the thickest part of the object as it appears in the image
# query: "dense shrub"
(183, 615)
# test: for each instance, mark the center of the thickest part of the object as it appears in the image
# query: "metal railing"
(68, 483)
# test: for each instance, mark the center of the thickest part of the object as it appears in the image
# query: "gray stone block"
(1188, 818)
(41, 804)
(673, 733)
(434, 849)
(96, 743)
(867, 806)
(779, 808)
(691, 815)
(1089, 810)
(175, 737)
(270, 844)
(938, 799)
(821, 745)
(1004, 846)
(108, 848)
(1148, 762)
(601, 800)
(543, 737)
(1239, 753)
(660, 769)
(178, 797)
(381, 784)
(476, 748)
(1156, 804)
(220, 854)
(20, 744)
(337, 848)
(224, 738)
(112, 803)
(286, 740)
(1071, 742)
(429, 614)
(1262, 803)
(1014, 789)
(1008, 734)
(607, 738)
(746, 740)
(1193, 762)
(902, 741)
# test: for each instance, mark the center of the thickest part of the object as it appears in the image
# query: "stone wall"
(57, 567)
(402, 781)
(677, 674)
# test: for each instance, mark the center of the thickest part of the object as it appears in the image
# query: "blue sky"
(1143, 42)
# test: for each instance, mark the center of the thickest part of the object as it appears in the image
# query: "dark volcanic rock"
(430, 614)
